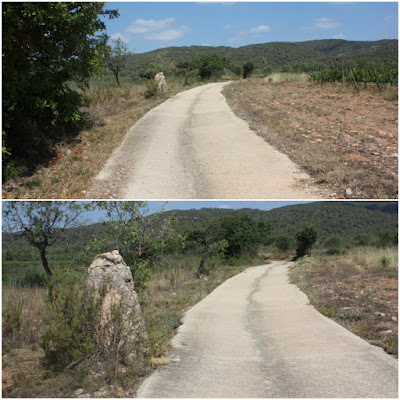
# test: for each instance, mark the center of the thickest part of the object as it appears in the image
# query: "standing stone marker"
(122, 327)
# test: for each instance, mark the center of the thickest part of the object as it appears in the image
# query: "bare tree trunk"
(46, 263)
(117, 79)
(200, 270)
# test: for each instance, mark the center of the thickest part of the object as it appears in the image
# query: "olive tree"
(42, 223)
(117, 61)
(138, 235)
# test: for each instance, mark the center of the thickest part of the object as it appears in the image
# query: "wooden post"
(376, 80)
(352, 76)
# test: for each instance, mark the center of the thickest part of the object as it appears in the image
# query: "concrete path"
(194, 147)
(256, 336)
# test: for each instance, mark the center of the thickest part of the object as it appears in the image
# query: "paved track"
(194, 147)
(256, 336)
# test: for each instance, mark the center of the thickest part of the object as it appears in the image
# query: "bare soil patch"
(346, 140)
(364, 299)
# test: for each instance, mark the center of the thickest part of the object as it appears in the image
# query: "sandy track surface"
(257, 336)
(194, 147)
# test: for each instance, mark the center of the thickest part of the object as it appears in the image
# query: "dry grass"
(24, 316)
(172, 290)
(358, 289)
(347, 141)
(287, 77)
(112, 111)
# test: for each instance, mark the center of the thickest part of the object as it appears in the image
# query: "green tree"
(46, 46)
(284, 243)
(305, 239)
(117, 61)
(248, 68)
(139, 236)
(42, 223)
(209, 243)
(242, 233)
(211, 65)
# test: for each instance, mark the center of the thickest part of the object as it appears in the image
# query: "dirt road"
(194, 147)
(256, 336)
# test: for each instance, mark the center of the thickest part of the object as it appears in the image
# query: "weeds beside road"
(173, 289)
(347, 141)
(358, 289)
(111, 112)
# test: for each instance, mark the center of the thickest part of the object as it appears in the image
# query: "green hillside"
(283, 55)
(341, 218)
(329, 218)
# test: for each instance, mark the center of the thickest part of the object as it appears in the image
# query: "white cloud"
(390, 19)
(168, 35)
(339, 36)
(251, 33)
(119, 35)
(225, 207)
(153, 29)
(149, 25)
(324, 23)
(260, 29)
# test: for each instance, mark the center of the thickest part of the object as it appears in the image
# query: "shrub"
(75, 313)
(248, 68)
(211, 65)
(12, 318)
(151, 89)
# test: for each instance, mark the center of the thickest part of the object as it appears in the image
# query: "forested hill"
(301, 55)
(342, 218)
(347, 219)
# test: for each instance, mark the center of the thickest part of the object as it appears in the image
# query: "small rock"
(349, 192)
(394, 319)
(78, 392)
(381, 314)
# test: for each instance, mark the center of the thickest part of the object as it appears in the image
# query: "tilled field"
(346, 140)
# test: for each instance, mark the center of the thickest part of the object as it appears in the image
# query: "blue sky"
(146, 26)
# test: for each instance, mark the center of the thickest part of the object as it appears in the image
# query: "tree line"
(141, 237)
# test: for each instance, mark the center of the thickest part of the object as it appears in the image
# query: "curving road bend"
(257, 336)
(194, 147)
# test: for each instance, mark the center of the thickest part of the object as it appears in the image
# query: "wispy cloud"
(339, 36)
(390, 19)
(149, 25)
(119, 35)
(230, 26)
(324, 23)
(225, 207)
(168, 34)
(260, 29)
(254, 32)
(153, 29)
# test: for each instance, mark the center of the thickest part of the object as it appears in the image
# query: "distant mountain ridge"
(278, 54)
(329, 218)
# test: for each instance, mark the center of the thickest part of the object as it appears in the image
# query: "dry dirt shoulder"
(346, 141)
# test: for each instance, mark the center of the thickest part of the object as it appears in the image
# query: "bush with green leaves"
(242, 233)
(75, 314)
(305, 239)
(139, 237)
(46, 45)
(210, 65)
(284, 243)
(248, 69)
